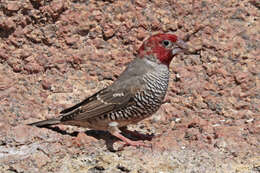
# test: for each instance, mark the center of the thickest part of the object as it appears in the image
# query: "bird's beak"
(181, 47)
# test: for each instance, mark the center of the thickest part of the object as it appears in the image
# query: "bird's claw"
(135, 144)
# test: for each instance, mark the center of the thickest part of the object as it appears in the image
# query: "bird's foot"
(136, 144)
(129, 142)
(137, 134)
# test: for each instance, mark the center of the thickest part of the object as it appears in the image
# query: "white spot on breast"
(113, 124)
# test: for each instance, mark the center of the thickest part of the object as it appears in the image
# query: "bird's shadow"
(106, 136)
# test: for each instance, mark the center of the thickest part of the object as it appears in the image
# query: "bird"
(135, 95)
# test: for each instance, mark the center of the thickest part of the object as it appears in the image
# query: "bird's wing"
(110, 99)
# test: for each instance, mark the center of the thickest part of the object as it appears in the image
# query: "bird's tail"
(45, 123)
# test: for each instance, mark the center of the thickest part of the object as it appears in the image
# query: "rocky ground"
(54, 53)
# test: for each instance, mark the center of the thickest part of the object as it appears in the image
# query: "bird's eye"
(166, 43)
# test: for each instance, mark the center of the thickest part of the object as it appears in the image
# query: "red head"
(162, 46)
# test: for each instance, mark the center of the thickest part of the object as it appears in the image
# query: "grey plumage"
(46, 122)
(136, 94)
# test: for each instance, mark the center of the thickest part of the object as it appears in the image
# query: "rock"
(54, 54)
(13, 6)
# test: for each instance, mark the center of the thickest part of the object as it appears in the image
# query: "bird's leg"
(136, 134)
(114, 130)
(130, 142)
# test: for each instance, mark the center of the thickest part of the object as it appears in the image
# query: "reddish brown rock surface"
(55, 53)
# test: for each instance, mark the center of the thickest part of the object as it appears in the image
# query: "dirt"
(55, 53)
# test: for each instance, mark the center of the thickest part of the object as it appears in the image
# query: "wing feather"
(119, 95)
(103, 102)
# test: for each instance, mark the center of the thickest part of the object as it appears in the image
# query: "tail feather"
(46, 122)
